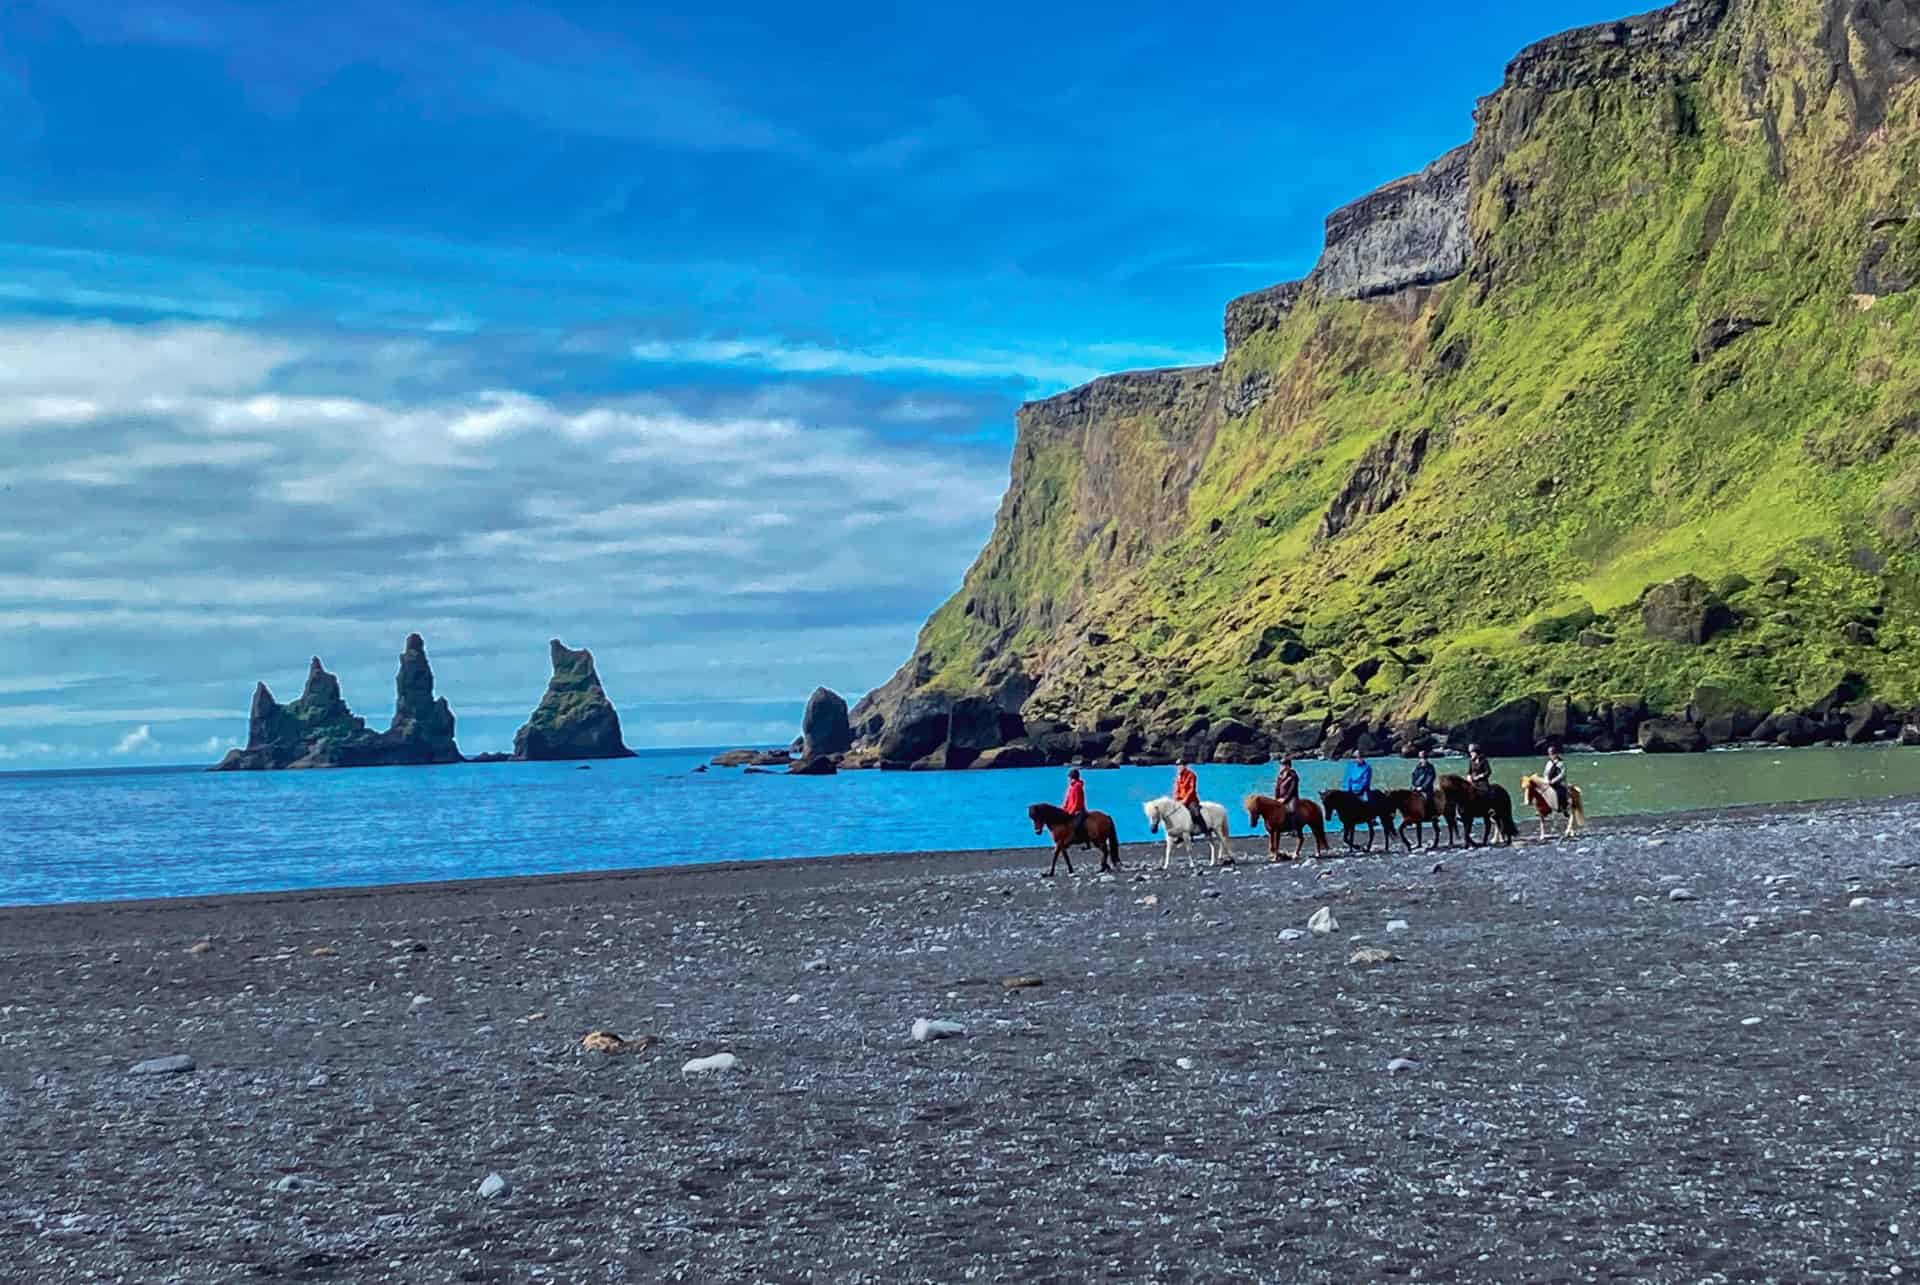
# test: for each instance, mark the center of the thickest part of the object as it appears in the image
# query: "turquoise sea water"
(80, 836)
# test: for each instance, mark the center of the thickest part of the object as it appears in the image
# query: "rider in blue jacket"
(1359, 778)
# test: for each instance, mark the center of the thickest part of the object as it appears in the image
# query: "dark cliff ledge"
(1261, 310)
(574, 719)
(1612, 50)
(318, 730)
(1133, 392)
(1412, 232)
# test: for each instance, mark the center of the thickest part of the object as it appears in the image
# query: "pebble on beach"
(926, 1030)
(494, 1185)
(1682, 894)
(1323, 922)
(1369, 956)
(171, 1065)
(715, 1062)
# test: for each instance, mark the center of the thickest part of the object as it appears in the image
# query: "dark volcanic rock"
(1384, 473)
(1671, 736)
(1508, 730)
(318, 730)
(422, 728)
(574, 720)
(1720, 332)
(816, 765)
(1412, 232)
(824, 728)
(1261, 310)
(1020, 754)
(917, 728)
(1685, 610)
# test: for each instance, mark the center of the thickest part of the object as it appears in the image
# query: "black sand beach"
(1605, 1083)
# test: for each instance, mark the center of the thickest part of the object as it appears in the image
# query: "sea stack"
(823, 727)
(318, 730)
(574, 720)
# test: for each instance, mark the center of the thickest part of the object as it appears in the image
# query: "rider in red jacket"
(1075, 804)
(1186, 792)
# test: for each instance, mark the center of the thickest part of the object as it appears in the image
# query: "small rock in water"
(1291, 934)
(494, 1185)
(1682, 894)
(1323, 922)
(1368, 956)
(926, 1030)
(1398, 925)
(717, 1062)
(172, 1065)
(1184, 1063)
(1400, 1064)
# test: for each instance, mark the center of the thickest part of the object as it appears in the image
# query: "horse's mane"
(1048, 814)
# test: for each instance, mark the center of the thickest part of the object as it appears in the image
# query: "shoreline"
(554, 888)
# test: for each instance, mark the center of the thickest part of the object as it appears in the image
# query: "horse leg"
(1053, 864)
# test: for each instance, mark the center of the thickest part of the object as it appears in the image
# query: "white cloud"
(804, 359)
(139, 739)
(190, 532)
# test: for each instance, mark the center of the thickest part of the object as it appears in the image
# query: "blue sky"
(691, 334)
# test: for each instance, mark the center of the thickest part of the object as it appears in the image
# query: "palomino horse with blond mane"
(1535, 790)
(1178, 823)
(1280, 818)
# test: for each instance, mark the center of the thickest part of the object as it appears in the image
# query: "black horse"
(1352, 810)
(1459, 799)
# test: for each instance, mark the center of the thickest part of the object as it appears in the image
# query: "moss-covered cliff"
(1657, 320)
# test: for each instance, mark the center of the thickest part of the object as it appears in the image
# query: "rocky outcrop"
(1412, 232)
(1685, 610)
(824, 728)
(1262, 310)
(319, 731)
(1385, 473)
(1671, 736)
(1614, 50)
(574, 720)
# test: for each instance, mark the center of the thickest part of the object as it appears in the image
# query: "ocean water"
(83, 836)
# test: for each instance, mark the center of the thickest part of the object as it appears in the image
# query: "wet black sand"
(1591, 1096)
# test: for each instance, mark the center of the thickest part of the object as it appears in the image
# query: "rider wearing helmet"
(1186, 792)
(1479, 771)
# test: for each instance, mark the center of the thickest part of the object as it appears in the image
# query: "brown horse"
(1101, 836)
(1535, 790)
(1416, 809)
(1461, 801)
(1279, 818)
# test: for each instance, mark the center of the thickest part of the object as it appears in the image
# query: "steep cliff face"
(1657, 319)
(318, 730)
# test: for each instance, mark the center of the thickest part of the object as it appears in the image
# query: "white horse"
(1180, 829)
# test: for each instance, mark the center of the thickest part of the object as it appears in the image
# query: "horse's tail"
(1579, 812)
(1112, 846)
(1503, 811)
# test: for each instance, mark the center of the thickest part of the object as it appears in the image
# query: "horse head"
(1252, 803)
(1153, 817)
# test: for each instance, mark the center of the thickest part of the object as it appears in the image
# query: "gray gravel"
(1559, 1072)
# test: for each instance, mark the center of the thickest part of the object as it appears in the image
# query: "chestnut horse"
(1101, 836)
(1416, 809)
(1280, 819)
(1494, 805)
(1535, 790)
(1352, 810)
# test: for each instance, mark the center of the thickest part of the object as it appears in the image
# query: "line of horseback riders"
(1431, 799)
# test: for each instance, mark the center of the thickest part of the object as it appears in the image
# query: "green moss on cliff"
(1659, 363)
